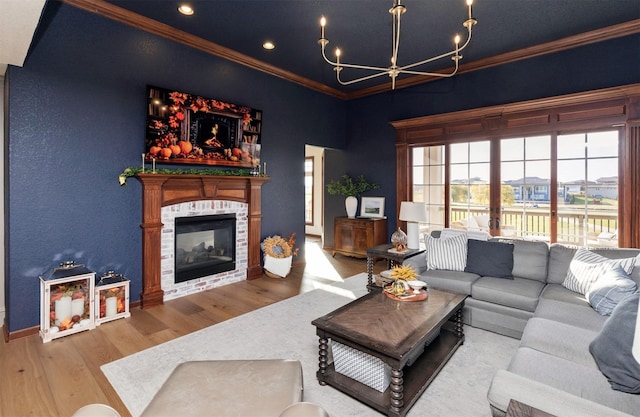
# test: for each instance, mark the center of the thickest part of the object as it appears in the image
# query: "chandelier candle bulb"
(323, 23)
(469, 3)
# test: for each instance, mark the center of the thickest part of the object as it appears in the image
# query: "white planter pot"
(351, 204)
(277, 266)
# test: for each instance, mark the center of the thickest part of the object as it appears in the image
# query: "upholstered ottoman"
(242, 388)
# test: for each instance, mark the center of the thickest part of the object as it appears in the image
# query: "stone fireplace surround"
(163, 190)
(167, 252)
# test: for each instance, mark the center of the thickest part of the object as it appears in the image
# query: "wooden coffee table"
(396, 332)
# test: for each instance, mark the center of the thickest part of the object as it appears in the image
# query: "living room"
(74, 119)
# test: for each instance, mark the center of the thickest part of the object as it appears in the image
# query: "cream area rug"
(283, 331)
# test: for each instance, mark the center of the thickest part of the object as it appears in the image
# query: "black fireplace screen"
(204, 245)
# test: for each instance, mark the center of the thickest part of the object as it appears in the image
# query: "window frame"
(617, 107)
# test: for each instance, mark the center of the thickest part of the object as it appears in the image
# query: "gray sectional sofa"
(553, 369)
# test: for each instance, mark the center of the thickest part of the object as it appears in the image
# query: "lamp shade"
(413, 212)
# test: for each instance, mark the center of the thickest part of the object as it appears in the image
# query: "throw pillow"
(610, 289)
(612, 348)
(448, 233)
(490, 259)
(586, 267)
(448, 253)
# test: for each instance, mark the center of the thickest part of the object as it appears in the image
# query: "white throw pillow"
(586, 267)
(448, 233)
(450, 254)
(470, 223)
(482, 221)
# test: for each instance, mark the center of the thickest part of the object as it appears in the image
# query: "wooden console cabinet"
(352, 237)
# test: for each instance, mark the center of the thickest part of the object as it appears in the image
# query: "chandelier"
(394, 69)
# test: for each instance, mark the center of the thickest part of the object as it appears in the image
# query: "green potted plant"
(351, 188)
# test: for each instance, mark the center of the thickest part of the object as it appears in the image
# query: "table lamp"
(413, 214)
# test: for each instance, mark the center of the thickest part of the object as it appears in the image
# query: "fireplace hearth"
(204, 245)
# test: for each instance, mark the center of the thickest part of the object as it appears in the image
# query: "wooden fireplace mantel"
(160, 190)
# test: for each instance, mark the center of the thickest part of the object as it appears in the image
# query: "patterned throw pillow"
(450, 254)
(608, 290)
(586, 267)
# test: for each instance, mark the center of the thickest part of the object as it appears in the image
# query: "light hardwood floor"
(57, 378)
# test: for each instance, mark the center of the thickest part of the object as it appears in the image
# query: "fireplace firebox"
(204, 245)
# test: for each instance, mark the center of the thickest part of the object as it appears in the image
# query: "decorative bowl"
(386, 274)
(417, 285)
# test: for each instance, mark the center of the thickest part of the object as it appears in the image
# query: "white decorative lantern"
(111, 298)
(66, 301)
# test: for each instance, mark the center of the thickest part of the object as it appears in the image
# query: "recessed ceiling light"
(185, 9)
(268, 45)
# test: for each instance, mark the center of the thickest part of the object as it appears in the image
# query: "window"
(588, 188)
(429, 184)
(525, 192)
(563, 169)
(308, 190)
(469, 188)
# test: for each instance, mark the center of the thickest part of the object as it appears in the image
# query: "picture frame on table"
(372, 207)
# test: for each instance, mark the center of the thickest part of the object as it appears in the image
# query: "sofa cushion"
(559, 339)
(587, 266)
(570, 313)
(455, 281)
(559, 293)
(450, 254)
(530, 258)
(494, 259)
(519, 293)
(572, 377)
(612, 348)
(609, 290)
(560, 257)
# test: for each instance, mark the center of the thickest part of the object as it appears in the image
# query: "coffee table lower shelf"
(416, 377)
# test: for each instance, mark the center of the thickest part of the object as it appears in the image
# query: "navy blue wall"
(76, 119)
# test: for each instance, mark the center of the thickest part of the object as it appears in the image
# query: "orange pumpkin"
(154, 150)
(165, 153)
(175, 149)
(185, 146)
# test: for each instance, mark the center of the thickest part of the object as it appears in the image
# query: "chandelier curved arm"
(433, 74)
(357, 80)
(345, 65)
(453, 54)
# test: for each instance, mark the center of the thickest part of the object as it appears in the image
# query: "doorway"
(313, 190)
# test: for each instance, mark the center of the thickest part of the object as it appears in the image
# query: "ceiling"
(362, 28)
